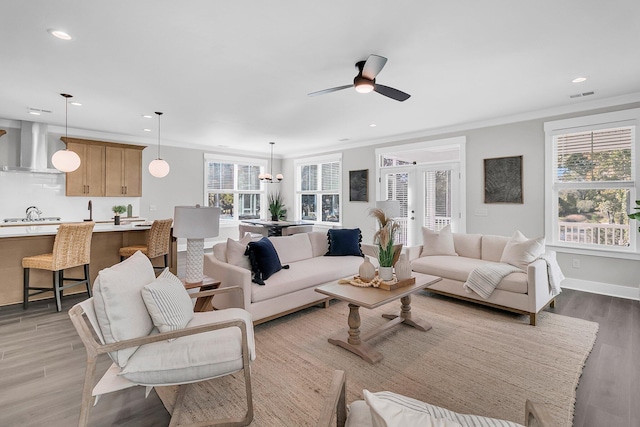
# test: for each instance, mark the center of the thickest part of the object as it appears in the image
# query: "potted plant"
(636, 215)
(276, 207)
(387, 252)
(117, 210)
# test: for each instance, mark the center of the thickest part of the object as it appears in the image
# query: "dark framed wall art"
(359, 185)
(503, 180)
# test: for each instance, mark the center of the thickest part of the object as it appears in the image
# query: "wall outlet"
(152, 208)
(575, 263)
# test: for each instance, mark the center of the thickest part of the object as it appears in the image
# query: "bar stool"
(71, 248)
(158, 243)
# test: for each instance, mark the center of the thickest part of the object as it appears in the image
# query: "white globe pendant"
(65, 160)
(159, 168)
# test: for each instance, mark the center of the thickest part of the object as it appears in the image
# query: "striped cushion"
(168, 302)
(438, 412)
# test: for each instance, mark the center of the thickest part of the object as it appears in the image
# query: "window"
(591, 163)
(319, 188)
(234, 187)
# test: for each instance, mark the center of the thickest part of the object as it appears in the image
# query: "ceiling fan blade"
(333, 89)
(373, 66)
(392, 93)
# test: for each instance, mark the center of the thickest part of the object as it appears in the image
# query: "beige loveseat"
(287, 290)
(453, 257)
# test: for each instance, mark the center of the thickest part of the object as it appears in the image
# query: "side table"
(208, 283)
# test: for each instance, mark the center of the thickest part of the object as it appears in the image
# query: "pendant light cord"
(159, 114)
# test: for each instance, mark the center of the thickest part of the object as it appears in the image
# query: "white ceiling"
(237, 73)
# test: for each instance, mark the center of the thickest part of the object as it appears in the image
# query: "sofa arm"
(538, 287)
(229, 275)
(413, 252)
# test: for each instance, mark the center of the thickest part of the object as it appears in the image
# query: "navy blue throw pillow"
(264, 260)
(343, 242)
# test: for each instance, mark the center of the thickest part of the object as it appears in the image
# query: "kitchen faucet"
(33, 213)
(90, 207)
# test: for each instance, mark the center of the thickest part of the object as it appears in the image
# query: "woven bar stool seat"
(71, 248)
(158, 243)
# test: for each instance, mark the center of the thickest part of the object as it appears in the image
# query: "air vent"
(580, 95)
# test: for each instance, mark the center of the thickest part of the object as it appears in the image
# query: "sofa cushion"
(120, 309)
(193, 357)
(397, 413)
(235, 252)
(468, 245)
(520, 251)
(264, 260)
(292, 248)
(492, 247)
(344, 242)
(437, 242)
(168, 302)
(304, 274)
(459, 268)
(319, 243)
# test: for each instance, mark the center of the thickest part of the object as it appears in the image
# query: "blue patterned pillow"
(343, 242)
(264, 260)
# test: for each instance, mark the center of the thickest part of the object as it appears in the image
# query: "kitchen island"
(17, 242)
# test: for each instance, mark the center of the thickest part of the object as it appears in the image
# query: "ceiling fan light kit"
(365, 81)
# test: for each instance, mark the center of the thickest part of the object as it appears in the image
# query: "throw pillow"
(438, 243)
(264, 260)
(236, 252)
(520, 251)
(344, 241)
(168, 302)
(387, 413)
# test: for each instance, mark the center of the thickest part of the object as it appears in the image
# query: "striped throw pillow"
(168, 302)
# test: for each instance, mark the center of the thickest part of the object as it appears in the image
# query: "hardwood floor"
(42, 365)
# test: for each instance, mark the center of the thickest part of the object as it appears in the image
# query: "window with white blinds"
(319, 189)
(234, 187)
(592, 175)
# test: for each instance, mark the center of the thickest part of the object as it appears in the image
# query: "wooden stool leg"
(87, 278)
(61, 282)
(56, 289)
(166, 260)
(25, 301)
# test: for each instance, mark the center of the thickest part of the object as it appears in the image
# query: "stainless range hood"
(35, 155)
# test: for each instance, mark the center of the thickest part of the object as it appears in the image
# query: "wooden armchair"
(335, 413)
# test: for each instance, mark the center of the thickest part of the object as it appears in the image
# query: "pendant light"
(158, 167)
(268, 177)
(66, 160)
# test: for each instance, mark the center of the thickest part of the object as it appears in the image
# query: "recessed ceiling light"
(146, 130)
(579, 80)
(146, 116)
(372, 125)
(59, 34)
(76, 104)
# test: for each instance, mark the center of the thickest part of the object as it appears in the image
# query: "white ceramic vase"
(403, 268)
(385, 273)
(367, 271)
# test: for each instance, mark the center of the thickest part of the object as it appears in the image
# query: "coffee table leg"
(354, 343)
(407, 318)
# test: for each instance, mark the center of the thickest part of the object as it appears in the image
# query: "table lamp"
(195, 223)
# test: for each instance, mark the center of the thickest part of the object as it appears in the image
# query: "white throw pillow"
(387, 413)
(235, 252)
(437, 243)
(168, 302)
(117, 299)
(520, 251)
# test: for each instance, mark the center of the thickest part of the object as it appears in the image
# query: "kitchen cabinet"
(123, 172)
(106, 169)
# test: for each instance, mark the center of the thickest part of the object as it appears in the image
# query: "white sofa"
(525, 292)
(288, 290)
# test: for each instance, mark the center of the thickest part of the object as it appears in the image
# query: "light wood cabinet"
(124, 172)
(106, 169)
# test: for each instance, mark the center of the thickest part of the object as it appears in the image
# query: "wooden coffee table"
(372, 298)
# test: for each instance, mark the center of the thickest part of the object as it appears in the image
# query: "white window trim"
(221, 158)
(581, 124)
(329, 158)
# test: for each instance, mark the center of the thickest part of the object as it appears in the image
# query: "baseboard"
(609, 289)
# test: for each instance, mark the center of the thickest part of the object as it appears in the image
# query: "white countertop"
(52, 229)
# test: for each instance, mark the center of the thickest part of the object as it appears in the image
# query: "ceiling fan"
(365, 81)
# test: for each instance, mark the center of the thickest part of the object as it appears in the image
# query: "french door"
(428, 196)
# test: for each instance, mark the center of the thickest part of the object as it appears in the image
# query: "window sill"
(604, 253)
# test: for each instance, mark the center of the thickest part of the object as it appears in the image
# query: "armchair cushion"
(120, 309)
(388, 413)
(168, 302)
(194, 357)
(344, 242)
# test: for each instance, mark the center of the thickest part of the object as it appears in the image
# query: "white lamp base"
(195, 256)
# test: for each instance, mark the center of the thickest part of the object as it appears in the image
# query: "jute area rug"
(475, 360)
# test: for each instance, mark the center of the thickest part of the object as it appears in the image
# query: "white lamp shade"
(65, 160)
(391, 208)
(196, 222)
(159, 168)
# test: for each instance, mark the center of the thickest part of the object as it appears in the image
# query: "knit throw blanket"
(484, 279)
